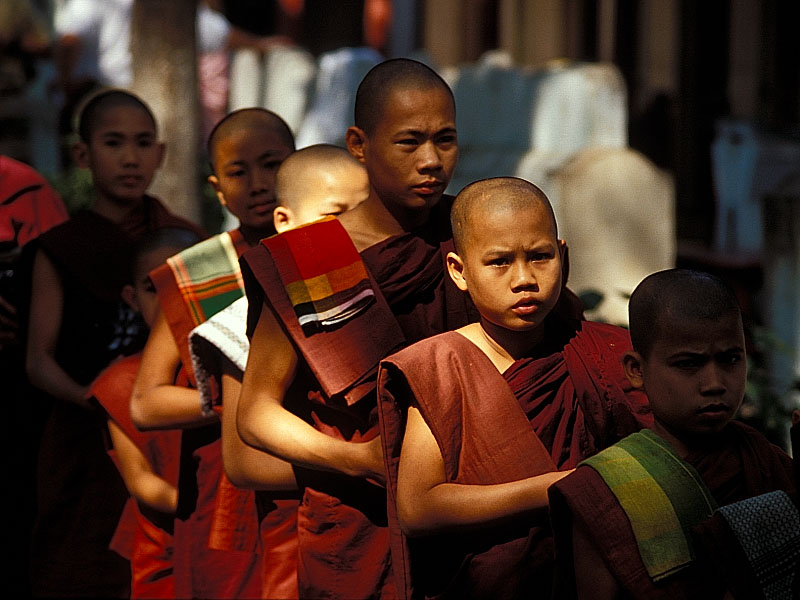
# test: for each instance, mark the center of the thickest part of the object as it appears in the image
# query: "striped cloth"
(208, 276)
(768, 529)
(222, 336)
(662, 496)
(325, 288)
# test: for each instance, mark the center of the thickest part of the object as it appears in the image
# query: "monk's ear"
(356, 140)
(455, 266)
(213, 180)
(632, 365)
(282, 218)
(80, 154)
(129, 297)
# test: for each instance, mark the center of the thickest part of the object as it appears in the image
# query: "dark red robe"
(79, 491)
(342, 524)
(143, 536)
(216, 536)
(740, 463)
(544, 412)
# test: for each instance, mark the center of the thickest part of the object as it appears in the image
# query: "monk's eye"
(499, 262)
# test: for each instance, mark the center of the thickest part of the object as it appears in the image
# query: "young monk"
(212, 559)
(478, 422)
(328, 302)
(148, 462)
(312, 183)
(623, 519)
(78, 325)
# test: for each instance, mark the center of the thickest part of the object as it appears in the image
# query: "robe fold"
(342, 524)
(142, 536)
(80, 494)
(740, 463)
(484, 423)
(216, 530)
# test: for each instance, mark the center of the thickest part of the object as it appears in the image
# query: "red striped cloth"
(325, 288)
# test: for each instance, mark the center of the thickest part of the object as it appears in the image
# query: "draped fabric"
(143, 536)
(80, 493)
(342, 523)
(216, 529)
(736, 464)
(475, 415)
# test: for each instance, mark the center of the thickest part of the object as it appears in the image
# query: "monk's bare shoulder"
(368, 224)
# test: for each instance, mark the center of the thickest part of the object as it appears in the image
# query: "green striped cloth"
(662, 495)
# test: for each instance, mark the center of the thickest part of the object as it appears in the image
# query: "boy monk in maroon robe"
(213, 558)
(78, 325)
(478, 422)
(148, 462)
(623, 521)
(308, 395)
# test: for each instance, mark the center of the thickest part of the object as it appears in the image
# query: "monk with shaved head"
(328, 301)
(318, 181)
(213, 558)
(498, 410)
(635, 520)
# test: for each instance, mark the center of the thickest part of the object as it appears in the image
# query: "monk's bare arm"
(265, 424)
(137, 473)
(155, 402)
(593, 580)
(47, 307)
(245, 466)
(427, 504)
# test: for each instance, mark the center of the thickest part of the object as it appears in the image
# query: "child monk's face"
(695, 375)
(412, 152)
(123, 153)
(141, 296)
(512, 265)
(246, 162)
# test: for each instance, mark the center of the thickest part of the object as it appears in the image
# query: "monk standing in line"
(499, 409)
(328, 301)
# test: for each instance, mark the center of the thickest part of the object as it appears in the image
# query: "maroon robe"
(342, 524)
(143, 536)
(554, 410)
(739, 464)
(80, 494)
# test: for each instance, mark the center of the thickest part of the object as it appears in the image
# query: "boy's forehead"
(127, 116)
(260, 139)
(674, 332)
(403, 101)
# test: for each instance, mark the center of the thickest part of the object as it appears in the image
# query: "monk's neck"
(253, 235)
(683, 443)
(502, 346)
(115, 211)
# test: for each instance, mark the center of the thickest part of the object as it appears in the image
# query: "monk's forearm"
(452, 506)
(271, 428)
(150, 489)
(253, 469)
(167, 407)
(47, 375)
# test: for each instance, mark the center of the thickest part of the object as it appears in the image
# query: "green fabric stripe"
(662, 495)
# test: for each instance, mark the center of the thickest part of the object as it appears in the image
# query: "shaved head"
(672, 295)
(97, 105)
(478, 200)
(312, 172)
(248, 119)
(383, 79)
